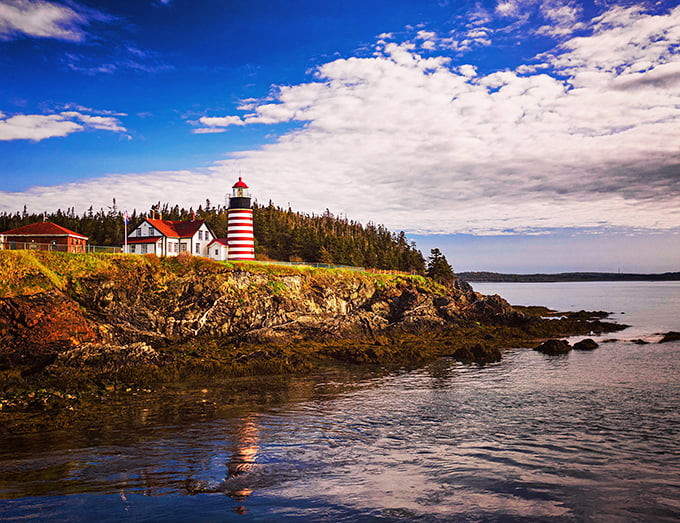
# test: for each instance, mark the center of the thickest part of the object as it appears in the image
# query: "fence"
(57, 247)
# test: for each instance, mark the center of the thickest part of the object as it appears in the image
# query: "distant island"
(565, 276)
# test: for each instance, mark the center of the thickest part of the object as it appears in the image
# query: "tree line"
(280, 234)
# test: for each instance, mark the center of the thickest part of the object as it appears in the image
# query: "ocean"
(588, 436)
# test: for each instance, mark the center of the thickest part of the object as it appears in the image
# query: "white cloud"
(209, 130)
(430, 145)
(507, 8)
(467, 70)
(623, 37)
(426, 35)
(41, 19)
(36, 127)
(220, 121)
(103, 123)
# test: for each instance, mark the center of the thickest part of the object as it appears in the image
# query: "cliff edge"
(85, 317)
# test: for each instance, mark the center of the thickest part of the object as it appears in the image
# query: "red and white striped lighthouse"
(240, 223)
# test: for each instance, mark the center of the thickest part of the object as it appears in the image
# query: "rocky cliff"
(50, 302)
(113, 312)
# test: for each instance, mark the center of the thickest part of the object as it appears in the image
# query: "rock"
(639, 342)
(477, 353)
(553, 347)
(462, 285)
(586, 344)
(670, 336)
(41, 325)
(117, 315)
(109, 358)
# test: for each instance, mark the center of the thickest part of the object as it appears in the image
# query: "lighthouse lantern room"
(240, 223)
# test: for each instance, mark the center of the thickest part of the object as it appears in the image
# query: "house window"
(200, 235)
(150, 231)
(144, 247)
(198, 248)
(132, 248)
(217, 252)
(183, 247)
(139, 232)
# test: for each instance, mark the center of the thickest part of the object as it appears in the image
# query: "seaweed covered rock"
(477, 353)
(109, 358)
(587, 344)
(670, 336)
(554, 347)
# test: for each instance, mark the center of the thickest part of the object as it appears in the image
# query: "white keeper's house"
(169, 238)
(196, 237)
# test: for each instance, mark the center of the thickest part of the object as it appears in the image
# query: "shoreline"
(60, 396)
(75, 329)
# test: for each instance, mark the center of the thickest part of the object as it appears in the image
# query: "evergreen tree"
(438, 268)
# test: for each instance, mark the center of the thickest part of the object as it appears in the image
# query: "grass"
(22, 273)
(31, 272)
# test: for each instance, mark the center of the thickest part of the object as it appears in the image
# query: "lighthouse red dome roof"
(240, 184)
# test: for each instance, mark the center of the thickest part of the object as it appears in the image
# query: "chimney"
(160, 215)
(193, 216)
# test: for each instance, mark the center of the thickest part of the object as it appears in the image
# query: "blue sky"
(517, 135)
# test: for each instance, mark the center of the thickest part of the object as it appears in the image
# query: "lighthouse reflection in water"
(242, 458)
(243, 452)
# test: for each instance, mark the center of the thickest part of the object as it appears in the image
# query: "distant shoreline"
(495, 277)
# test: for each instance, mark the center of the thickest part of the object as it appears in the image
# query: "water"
(591, 436)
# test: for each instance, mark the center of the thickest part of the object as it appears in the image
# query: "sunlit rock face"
(132, 300)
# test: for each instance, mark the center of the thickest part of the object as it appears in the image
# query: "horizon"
(517, 136)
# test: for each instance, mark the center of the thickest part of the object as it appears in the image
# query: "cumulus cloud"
(425, 144)
(218, 123)
(43, 19)
(36, 127)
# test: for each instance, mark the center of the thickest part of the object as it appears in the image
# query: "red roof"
(221, 241)
(176, 229)
(153, 239)
(43, 229)
(240, 184)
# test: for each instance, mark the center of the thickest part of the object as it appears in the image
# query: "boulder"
(477, 353)
(586, 344)
(670, 336)
(553, 347)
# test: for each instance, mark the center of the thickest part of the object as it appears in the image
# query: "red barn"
(43, 236)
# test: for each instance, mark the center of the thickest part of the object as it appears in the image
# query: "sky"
(514, 135)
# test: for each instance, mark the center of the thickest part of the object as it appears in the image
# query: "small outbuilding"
(43, 236)
(218, 249)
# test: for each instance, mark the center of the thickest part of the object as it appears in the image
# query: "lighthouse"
(240, 223)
